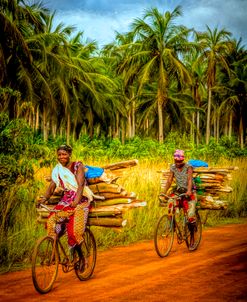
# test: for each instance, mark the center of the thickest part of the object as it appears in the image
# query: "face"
(179, 163)
(63, 157)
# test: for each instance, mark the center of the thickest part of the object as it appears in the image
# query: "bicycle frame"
(175, 206)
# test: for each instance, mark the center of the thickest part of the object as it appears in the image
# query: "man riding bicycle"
(183, 173)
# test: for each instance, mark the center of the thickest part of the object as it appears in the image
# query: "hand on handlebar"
(41, 199)
(163, 197)
(188, 193)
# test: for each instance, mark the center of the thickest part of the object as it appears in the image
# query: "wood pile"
(108, 212)
(211, 185)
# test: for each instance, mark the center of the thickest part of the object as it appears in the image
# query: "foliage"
(18, 159)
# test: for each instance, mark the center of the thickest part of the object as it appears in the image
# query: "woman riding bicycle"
(70, 177)
(183, 173)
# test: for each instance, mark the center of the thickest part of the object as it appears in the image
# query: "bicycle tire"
(196, 232)
(44, 265)
(86, 254)
(164, 236)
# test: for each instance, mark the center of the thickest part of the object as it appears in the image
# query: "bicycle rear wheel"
(44, 265)
(164, 236)
(194, 232)
(85, 255)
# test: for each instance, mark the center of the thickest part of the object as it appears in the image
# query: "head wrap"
(179, 155)
(65, 147)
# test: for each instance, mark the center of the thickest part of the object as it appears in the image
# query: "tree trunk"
(116, 134)
(230, 125)
(68, 128)
(197, 128)
(241, 133)
(217, 126)
(37, 119)
(54, 129)
(192, 128)
(45, 126)
(208, 127)
(160, 117)
(129, 125)
(122, 130)
(133, 119)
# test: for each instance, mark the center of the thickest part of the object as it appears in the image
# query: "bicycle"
(49, 252)
(176, 221)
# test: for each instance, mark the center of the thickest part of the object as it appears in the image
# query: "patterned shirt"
(181, 176)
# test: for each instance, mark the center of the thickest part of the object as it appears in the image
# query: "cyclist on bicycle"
(183, 174)
(70, 176)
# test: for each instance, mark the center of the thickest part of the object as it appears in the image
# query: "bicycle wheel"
(44, 265)
(86, 256)
(164, 236)
(194, 234)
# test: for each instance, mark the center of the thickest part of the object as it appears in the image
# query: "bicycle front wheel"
(164, 236)
(85, 254)
(194, 232)
(44, 264)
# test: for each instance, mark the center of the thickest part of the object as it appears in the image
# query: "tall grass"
(143, 179)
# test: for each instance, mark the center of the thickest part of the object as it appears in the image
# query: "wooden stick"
(121, 165)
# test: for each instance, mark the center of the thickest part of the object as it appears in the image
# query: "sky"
(100, 19)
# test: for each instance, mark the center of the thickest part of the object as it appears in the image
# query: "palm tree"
(197, 71)
(155, 56)
(237, 87)
(17, 21)
(214, 46)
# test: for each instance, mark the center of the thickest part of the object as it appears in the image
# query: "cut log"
(110, 202)
(107, 222)
(105, 188)
(123, 194)
(120, 207)
(115, 213)
(121, 165)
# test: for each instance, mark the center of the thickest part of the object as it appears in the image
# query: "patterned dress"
(75, 223)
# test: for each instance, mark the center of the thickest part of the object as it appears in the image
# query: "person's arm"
(80, 178)
(169, 182)
(190, 176)
(48, 192)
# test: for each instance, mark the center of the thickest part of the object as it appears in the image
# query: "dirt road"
(217, 271)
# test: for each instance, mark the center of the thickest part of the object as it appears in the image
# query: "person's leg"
(51, 225)
(191, 211)
(80, 222)
(192, 208)
(77, 224)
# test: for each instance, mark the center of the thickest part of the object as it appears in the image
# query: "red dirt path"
(217, 271)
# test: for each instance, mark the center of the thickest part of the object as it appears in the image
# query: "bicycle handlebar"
(175, 195)
(49, 209)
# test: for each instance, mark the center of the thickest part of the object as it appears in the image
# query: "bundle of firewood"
(211, 185)
(111, 199)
